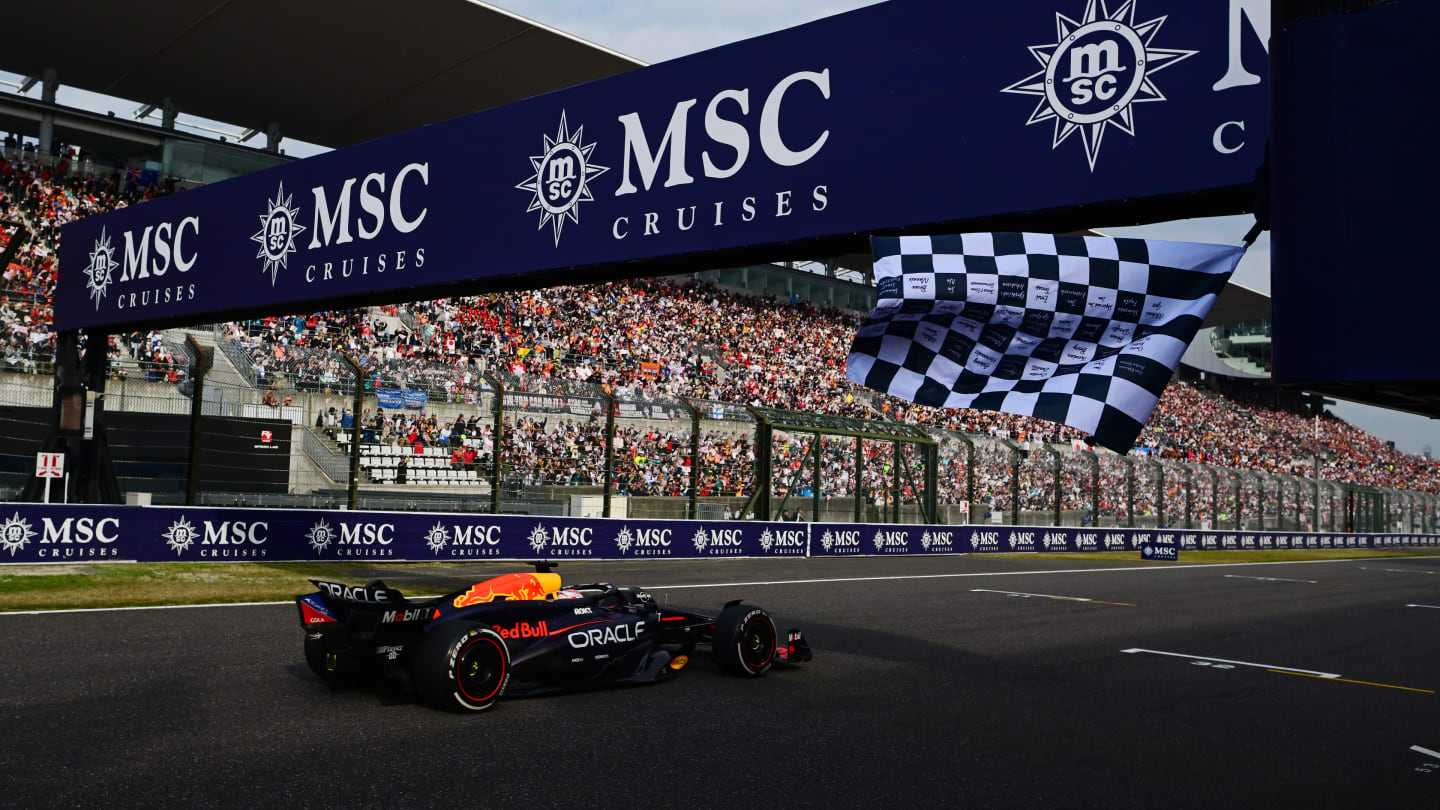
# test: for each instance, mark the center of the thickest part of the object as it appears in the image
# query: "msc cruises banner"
(34, 533)
(910, 113)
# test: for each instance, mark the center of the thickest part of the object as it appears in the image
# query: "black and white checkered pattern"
(1082, 330)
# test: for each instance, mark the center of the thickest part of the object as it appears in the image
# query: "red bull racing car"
(525, 634)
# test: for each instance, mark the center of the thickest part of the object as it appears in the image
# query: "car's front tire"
(744, 641)
(462, 666)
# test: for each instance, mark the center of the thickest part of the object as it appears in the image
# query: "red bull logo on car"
(510, 586)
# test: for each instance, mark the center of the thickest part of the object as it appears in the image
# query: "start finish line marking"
(1225, 663)
(1270, 667)
(1426, 751)
(1023, 595)
(1432, 607)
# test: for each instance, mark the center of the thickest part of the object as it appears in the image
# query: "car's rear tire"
(462, 666)
(327, 660)
(744, 641)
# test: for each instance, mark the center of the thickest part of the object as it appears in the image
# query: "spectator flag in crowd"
(1081, 330)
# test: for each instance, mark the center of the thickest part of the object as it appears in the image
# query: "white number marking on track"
(1193, 658)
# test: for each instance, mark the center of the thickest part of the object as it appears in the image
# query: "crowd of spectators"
(653, 340)
(42, 196)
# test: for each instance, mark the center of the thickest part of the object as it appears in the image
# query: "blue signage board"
(1160, 551)
(1354, 173)
(37, 533)
(389, 398)
(905, 114)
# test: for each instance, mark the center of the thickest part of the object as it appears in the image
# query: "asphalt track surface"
(944, 691)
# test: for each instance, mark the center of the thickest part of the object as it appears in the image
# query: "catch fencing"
(297, 428)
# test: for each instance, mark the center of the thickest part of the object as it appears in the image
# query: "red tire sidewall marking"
(460, 683)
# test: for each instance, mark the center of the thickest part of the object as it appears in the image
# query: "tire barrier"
(33, 533)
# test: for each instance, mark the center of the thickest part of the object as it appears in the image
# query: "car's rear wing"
(360, 607)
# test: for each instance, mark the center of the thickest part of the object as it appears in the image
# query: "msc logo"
(15, 532)
(180, 535)
(468, 541)
(646, 542)
(102, 266)
(320, 536)
(563, 171)
(437, 538)
(1096, 69)
(566, 541)
(717, 541)
(986, 541)
(785, 541)
(834, 542)
(279, 226)
(891, 542)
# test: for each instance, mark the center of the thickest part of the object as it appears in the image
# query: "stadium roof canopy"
(331, 72)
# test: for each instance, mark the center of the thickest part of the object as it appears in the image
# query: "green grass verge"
(55, 587)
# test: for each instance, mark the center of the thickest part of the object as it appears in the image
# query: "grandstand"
(645, 341)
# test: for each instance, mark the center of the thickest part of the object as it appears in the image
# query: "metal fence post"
(859, 479)
(1260, 500)
(355, 430)
(1239, 518)
(969, 477)
(815, 500)
(497, 440)
(1214, 498)
(1056, 455)
(1094, 487)
(764, 439)
(932, 481)
(895, 485)
(1189, 495)
(610, 408)
(1280, 501)
(1160, 522)
(1129, 490)
(693, 507)
(201, 362)
(1015, 456)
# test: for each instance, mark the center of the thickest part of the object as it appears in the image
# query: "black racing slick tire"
(328, 661)
(744, 641)
(462, 667)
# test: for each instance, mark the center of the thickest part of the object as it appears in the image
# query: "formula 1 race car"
(525, 634)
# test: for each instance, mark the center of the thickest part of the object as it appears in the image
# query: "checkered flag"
(1082, 330)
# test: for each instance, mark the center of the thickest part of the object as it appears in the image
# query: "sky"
(658, 30)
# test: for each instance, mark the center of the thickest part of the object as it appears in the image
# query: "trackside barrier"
(34, 533)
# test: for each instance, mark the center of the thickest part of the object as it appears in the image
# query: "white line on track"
(1432, 607)
(1149, 568)
(1038, 595)
(1425, 751)
(1270, 579)
(1398, 570)
(1024, 595)
(1134, 650)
